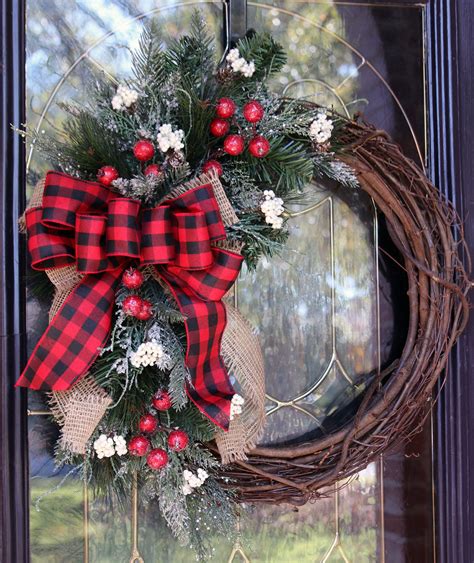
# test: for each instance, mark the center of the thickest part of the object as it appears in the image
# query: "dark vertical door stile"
(236, 21)
(13, 468)
(451, 91)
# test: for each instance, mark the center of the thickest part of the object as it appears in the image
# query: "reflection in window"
(316, 311)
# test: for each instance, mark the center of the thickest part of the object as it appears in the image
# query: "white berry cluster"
(169, 139)
(124, 98)
(272, 208)
(192, 481)
(236, 406)
(321, 128)
(149, 354)
(105, 446)
(239, 64)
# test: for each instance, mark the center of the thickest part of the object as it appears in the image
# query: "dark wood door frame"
(451, 103)
(13, 423)
(451, 148)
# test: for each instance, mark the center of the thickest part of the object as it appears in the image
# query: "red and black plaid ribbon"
(83, 223)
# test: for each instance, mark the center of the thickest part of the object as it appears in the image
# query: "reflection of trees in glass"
(313, 53)
(61, 34)
(313, 306)
(276, 534)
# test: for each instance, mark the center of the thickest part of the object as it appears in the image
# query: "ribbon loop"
(193, 250)
(91, 256)
(65, 196)
(48, 249)
(123, 231)
(81, 222)
(157, 244)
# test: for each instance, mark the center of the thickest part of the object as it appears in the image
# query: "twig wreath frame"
(427, 232)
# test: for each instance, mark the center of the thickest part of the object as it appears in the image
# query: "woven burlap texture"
(243, 359)
(79, 410)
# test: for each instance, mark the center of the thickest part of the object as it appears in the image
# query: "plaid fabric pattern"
(200, 300)
(73, 340)
(65, 196)
(84, 223)
(158, 246)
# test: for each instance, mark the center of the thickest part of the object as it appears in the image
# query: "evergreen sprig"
(268, 55)
(91, 145)
(192, 58)
(149, 63)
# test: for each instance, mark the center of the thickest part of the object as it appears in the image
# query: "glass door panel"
(328, 310)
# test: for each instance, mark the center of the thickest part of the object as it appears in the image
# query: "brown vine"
(426, 230)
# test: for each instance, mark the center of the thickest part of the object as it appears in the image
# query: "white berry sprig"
(236, 406)
(272, 208)
(239, 64)
(106, 446)
(149, 354)
(124, 98)
(170, 139)
(193, 481)
(321, 128)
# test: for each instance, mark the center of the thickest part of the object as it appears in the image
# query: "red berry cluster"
(143, 151)
(134, 305)
(234, 144)
(140, 446)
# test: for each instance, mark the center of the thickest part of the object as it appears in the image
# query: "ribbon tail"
(211, 390)
(75, 336)
(198, 294)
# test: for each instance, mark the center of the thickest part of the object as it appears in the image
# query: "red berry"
(219, 127)
(106, 175)
(225, 108)
(178, 440)
(146, 311)
(161, 400)
(152, 170)
(132, 278)
(138, 446)
(234, 145)
(259, 147)
(253, 111)
(148, 424)
(143, 150)
(132, 305)
(212, 165)
(157, 458)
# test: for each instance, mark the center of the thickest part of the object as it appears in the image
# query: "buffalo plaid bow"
(83, 223)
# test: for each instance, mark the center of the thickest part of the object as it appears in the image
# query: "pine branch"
(268, 55)
(287, 168)
(176, 387)
(173, 508)
(259, 239)
(149, 63)
(193, 58)
(90, 145)
(327, 166)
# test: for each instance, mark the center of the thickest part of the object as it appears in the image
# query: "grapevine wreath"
(163, 185)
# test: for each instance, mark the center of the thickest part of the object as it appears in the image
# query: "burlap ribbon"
(243, 358)
(79, 410)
